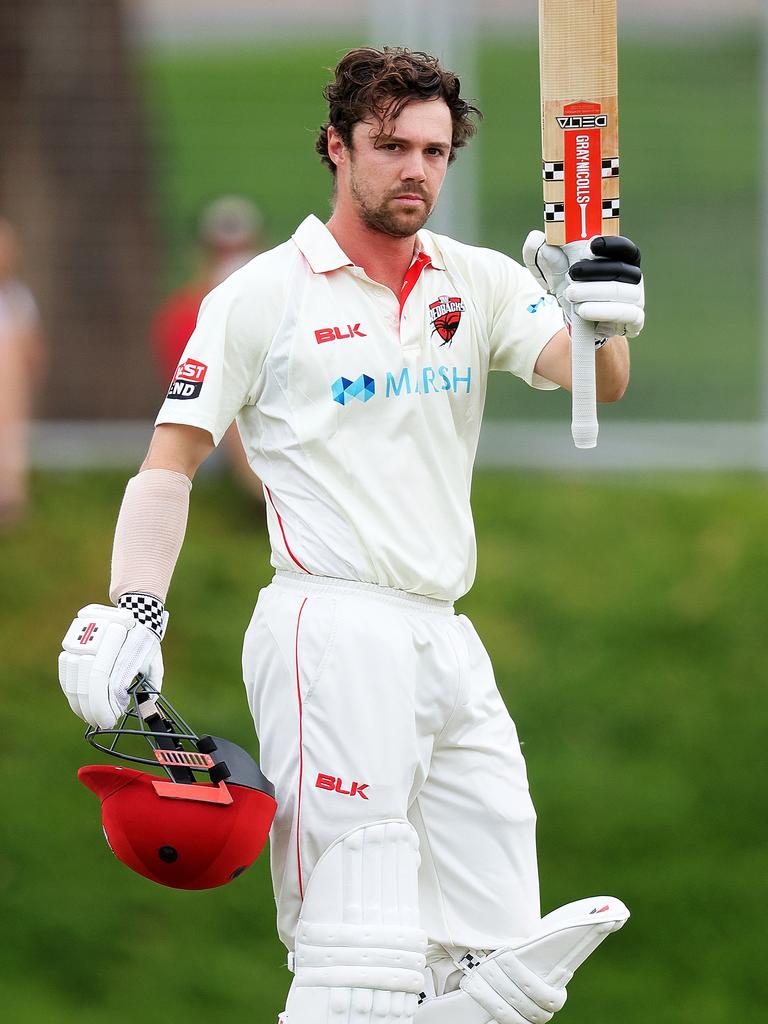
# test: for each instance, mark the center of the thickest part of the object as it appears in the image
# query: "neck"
(383, 257)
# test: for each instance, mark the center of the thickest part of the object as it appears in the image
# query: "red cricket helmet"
(175, 830)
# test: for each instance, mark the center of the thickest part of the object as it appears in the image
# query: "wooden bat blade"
(579, 119)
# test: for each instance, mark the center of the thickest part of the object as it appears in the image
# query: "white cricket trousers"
(371, 703)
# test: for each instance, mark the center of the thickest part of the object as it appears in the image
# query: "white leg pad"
(524, 983)
(360, 953)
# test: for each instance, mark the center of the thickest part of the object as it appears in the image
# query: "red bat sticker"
(583, 170)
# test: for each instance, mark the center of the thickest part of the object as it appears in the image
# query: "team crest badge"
(445, 317)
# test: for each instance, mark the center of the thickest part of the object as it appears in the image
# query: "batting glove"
(604, 284)
(105, 649)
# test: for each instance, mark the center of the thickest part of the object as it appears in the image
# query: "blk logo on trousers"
(334, 785)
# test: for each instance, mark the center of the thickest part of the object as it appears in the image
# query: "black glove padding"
(617, 259)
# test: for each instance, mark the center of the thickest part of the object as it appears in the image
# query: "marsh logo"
(445, 317)
(405, 382)
(429, 380)
(188, 380)
(544, 300)
(362, 388)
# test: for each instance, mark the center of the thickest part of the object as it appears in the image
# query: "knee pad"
(525, 983)
(360, 953)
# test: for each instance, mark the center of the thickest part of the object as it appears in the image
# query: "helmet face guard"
(175, 830)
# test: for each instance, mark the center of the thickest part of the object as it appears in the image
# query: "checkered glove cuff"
(147, 610)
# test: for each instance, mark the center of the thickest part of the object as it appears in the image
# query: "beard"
(380, 216)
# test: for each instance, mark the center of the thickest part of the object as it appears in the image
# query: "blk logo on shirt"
(445, 317)
(188, 380)
(323, 334)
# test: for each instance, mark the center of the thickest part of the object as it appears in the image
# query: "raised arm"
(606, 289)
(611, 365)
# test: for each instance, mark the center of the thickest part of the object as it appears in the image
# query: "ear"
(337, 151)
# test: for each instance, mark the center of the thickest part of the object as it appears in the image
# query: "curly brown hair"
(379, 83)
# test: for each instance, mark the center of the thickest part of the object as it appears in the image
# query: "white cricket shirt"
(360, 411)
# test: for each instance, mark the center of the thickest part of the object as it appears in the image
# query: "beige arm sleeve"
(149, 533)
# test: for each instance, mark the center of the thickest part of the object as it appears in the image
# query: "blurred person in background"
(230, 232)
(22, 359)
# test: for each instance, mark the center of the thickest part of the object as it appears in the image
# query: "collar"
(323, 253)
(427, 244)
(318, 246)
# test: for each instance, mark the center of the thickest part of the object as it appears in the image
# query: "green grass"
(246, 120)
(626, 622)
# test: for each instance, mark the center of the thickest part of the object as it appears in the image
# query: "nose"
(413, 168)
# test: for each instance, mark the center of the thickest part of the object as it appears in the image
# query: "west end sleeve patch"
(188, 380)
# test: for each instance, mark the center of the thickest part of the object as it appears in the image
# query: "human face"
(393, 179)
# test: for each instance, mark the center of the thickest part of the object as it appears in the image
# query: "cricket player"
(355, 358)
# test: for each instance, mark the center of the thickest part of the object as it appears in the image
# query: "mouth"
(409, 199)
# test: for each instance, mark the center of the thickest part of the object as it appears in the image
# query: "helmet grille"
(183, 758)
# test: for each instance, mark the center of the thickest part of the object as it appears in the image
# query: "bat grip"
(583, 389)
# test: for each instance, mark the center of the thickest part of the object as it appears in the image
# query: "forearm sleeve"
(149, 533)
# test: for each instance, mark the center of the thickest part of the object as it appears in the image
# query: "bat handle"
(583, 390)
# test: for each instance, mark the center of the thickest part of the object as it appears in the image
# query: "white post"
(446, 29)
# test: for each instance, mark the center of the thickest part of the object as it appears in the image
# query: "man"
(355, 357)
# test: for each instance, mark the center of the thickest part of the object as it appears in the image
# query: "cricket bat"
(580, 158)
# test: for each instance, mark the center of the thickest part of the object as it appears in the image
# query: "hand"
(599, 280)
(104, 650)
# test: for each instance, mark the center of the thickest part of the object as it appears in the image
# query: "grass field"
(690, 144)
(626, 621)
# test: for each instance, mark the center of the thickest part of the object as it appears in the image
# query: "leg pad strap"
(360, 953)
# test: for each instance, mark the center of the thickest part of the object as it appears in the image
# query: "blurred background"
(147, 147)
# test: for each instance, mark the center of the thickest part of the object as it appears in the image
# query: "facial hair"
(382, 218)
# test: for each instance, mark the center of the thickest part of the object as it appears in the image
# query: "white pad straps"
(359, 948)
(524, 983)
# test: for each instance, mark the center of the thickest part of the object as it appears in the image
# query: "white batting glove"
(105, 648)
(599, 280)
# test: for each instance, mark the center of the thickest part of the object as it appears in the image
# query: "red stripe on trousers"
(301, 752)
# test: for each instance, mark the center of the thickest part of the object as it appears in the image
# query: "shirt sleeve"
(219, 367)
(524, 320)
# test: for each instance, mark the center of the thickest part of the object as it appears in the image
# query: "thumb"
(531, 246)
(547, 263)
(155, 670)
